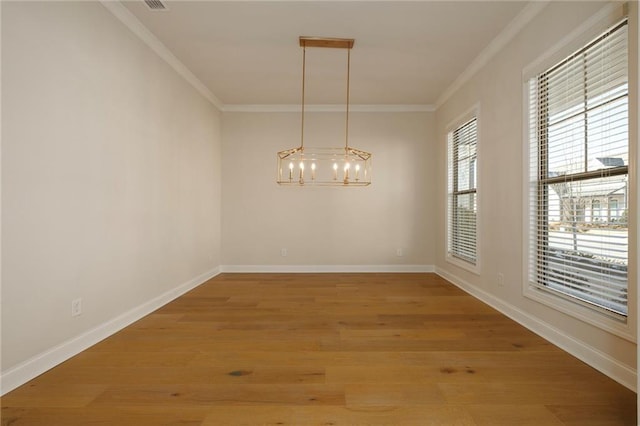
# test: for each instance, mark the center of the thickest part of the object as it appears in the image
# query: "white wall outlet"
(283, 252)
(500, 279)
(76, 307)
(399, 252)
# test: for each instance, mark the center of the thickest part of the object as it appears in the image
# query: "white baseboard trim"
(325, 268)
(592, 356)
(33, 367)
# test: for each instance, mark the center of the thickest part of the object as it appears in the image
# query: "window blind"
(462, 215)
(579, 156)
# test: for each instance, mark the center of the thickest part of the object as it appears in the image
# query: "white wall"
(498, 88)
(325, 226)
(110, 176)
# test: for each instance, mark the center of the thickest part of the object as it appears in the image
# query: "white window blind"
(462, 214)
(579, 156)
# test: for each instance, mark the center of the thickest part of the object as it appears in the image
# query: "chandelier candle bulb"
(335, 171)
(301, 172)
(290, 171)
(313, 171)
(357, 171)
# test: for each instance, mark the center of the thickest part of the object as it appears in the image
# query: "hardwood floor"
(322, 349)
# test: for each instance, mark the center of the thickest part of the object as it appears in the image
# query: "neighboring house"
(588, 204)
(605, 204)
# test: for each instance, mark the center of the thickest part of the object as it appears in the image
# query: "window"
(595, 210)
(462, 190)
(579, 155)
(613, 210)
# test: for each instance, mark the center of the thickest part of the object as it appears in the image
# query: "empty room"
(319, 212)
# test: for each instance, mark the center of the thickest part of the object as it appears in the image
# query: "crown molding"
(516, 25)
(138, 28)
(327, 108)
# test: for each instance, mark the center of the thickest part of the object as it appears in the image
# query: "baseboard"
(40, 363)
(592, 356)
(44, 361)
(325, 268)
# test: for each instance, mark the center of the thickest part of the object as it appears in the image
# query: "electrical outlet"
(500, 279)
(399, 252)
(283, 252)
(76, 307)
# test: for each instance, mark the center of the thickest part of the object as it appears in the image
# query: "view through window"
(462, 209)
(579, 168)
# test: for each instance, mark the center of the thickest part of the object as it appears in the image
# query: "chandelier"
(324, 166)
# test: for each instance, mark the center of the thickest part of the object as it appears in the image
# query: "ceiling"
(405, 53)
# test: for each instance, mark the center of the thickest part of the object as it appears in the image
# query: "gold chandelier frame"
(308, 166)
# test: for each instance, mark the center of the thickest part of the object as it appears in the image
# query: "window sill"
(475, 269)
(608, 323)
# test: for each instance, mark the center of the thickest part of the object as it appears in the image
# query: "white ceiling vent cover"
(155, 5)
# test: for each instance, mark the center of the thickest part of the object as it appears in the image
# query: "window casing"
(462, 210)
(578, 164)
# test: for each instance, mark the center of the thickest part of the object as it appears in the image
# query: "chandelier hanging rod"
(333, 43)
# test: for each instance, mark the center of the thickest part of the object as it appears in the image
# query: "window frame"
(458, 123)
(578, 39)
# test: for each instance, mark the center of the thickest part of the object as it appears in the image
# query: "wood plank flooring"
(322, 349)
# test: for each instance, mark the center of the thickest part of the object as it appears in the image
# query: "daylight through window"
(462, 209)
(579, 156)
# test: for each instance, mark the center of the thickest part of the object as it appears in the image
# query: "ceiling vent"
(155, 5)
